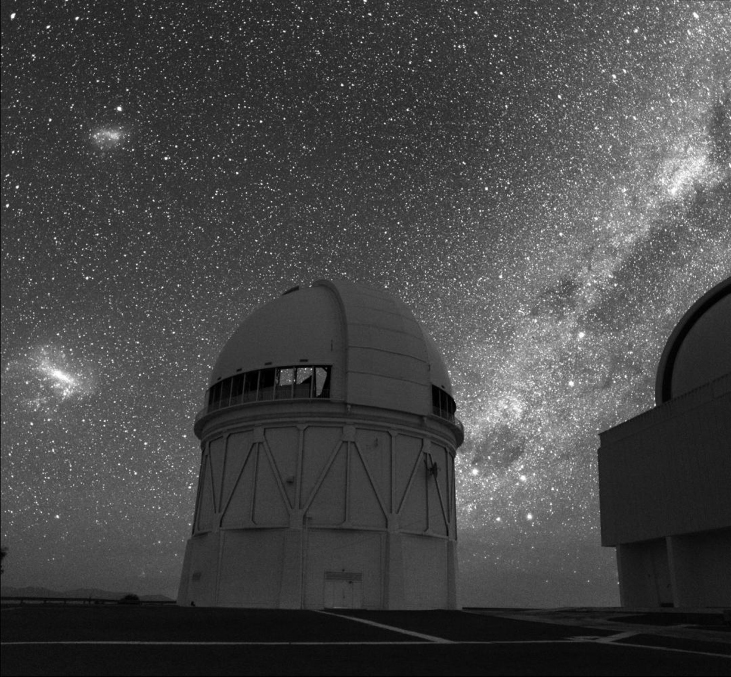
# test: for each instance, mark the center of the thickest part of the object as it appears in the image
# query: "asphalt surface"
(146, 640)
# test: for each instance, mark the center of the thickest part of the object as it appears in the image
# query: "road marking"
(428, 638)
(614, 638)
(604, 639)
(667, 648)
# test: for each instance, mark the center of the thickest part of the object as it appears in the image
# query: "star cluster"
(546, 184)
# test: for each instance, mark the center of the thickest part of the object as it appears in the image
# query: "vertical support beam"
(298, 472)
(392, 452)
(258, 442)
(348, 480)
(394, 573)
(222, 500)
(199, 491)
(349, 440)
(218, 548)
(427, 460)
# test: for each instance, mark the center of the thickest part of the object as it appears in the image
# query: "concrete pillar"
(700, 566)
(644, 575)
(683, 574)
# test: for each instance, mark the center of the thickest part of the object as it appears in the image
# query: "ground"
(170, 640)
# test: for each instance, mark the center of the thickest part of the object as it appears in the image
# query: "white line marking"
(615, 638)
(429, 638)
(667, 648)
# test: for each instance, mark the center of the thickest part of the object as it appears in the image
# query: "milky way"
(546, 184)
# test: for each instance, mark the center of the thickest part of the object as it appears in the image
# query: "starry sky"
(547, 184)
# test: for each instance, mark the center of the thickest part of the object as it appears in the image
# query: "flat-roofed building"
(665, 476)
(328, 442)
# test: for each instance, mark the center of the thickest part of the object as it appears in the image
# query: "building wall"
(354, 552)
(291, 512)
(664, 481)
(682, 571)
(667, 472)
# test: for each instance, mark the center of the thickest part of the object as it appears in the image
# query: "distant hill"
(94, 593)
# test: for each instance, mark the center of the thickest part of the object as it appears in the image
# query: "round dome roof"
(379, 354)
(699, 349)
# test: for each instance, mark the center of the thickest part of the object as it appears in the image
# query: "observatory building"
(665, 476)
(328, 442)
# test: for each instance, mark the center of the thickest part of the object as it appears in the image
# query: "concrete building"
(327, 472)
(665, 476)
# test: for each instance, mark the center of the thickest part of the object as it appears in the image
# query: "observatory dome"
(698, 351)
(328, 446)
(374, 350)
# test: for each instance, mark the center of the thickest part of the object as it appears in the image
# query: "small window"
(251, 382)
(267, 378)
(216, 394)
(225, 392)
(269, 384)
(322, 381)
(285, 383)
(237, 389)
(442, 403)
(303, 382)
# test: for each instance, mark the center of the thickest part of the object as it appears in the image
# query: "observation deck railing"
(441, 413)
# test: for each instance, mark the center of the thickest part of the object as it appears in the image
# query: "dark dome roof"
(699, 349)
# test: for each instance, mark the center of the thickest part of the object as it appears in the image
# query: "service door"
(343, 590)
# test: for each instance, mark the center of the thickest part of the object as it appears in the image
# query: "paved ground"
(142, 640)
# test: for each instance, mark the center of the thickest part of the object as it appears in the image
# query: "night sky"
(547, 184)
